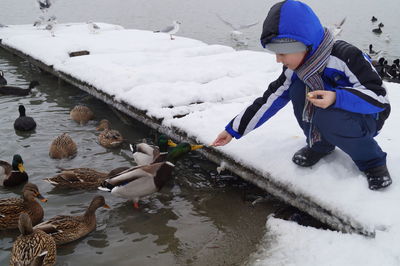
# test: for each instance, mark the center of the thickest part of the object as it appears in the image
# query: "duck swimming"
(377, 30)
(3, 81)
(141, 181)
(13, 90)
(109, 138)
(67, 228)
(33, 246)
(144, 153)
(11, 208)
(13, 174)
(81, 178)
(63, 147)
(23, 122)
(81, 114)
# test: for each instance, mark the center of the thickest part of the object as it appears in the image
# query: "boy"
(338, 98)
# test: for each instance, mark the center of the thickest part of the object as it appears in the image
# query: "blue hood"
(294, 20)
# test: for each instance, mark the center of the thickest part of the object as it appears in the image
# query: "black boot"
(307, 157)
(378, 177)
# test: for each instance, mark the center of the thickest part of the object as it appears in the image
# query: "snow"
(199, 88)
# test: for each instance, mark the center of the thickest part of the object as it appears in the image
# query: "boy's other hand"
(222, 139)
(321, 98)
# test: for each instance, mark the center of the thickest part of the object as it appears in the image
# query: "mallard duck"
(32, 247)
(109, 138)
(3, 81)
(66, 228)
(13, 90)
(81, 114)
(62, 147)
(23, 122)
(144, 180)
(13, 174)
(377, 30)
(81, 178)
(144, 153)
(11, 208)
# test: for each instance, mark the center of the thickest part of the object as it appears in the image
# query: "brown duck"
(109, 138)
(66, 228)
(62, 147)
(81, 178)
(81, 114)
(32, 247)
(11, 208)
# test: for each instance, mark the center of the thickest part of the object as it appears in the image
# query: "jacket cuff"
(230, 130)
(338, 102)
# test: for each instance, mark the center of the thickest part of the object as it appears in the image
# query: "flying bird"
(236, 34)
(337, 29)
(172, 29)
(44, 5)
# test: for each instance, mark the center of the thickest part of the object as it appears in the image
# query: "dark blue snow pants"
(351, 132)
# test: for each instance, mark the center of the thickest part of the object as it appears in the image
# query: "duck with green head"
(144, 153)
(13, 174)
(141, 181)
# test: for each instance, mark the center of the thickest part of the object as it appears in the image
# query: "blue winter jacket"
(349, 72)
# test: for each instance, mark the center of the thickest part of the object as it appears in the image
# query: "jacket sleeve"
(366, 93)
(263, 108)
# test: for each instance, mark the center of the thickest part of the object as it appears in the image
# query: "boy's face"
(291, 61)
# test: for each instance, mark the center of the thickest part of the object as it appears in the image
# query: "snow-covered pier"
(190, 90)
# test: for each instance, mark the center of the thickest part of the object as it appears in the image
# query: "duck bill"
(41, 198)
(171, 143)
(106, 206)
(21, 167)
(196, 147)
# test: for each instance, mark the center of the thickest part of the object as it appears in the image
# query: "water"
(200, 22)
(199, 218)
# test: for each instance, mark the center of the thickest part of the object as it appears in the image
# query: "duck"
(3, 80)
(81, 114)
(144, 153)
(377, 30)
(373, 19)
(11, 208)
(381, 25)
(13, 174)
(372, 51)
(81, 178)
(67, 228)
(144, 180)
(33, 246)
(109, 138)
(13, 90)
(63, 147)
(23, 122)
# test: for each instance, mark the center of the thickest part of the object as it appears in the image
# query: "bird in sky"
(44, 5)
(337, 29)
(236, 34)
(171, 29)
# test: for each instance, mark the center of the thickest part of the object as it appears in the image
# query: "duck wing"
(11, 207)
(59, 224)
(137, 172)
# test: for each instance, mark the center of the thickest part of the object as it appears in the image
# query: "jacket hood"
(294, 20)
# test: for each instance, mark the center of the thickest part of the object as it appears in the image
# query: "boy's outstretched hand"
(223, 138)
(321, 98)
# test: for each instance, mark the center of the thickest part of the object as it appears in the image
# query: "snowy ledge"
(190, 90)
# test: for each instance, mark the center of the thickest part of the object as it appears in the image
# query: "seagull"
(44, 5)
(172, 29)
(51, 24)
(338, 28)
(93, 27)
(39, 21)
(236, 34)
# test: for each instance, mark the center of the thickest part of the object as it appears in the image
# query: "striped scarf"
(310, 74)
